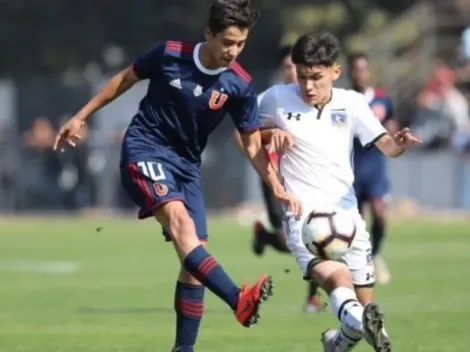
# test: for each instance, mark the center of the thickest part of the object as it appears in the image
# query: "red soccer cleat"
(314, 305)
(250, 299)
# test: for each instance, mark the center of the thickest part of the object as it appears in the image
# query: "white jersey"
(318, 169)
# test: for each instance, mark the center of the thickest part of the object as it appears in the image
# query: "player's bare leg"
(373, 319)
(314, 303)
(336, 279)
(365, 294)
(262, 238)
(378, 210)
(244, 301)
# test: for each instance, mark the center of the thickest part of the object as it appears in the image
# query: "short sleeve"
(267, 108)
(149, 64)
(244, 111)
(366, 126)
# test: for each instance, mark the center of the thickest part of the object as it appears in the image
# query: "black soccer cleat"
(374, 331)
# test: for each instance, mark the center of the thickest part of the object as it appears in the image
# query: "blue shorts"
(371, 186)
(149, 184)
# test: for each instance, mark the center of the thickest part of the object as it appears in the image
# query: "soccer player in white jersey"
(276, 239)
(313, 125)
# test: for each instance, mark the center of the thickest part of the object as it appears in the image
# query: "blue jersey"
(184, 103)
(371, 160)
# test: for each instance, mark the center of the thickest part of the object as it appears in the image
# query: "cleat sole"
(266, 291)
(373, 326)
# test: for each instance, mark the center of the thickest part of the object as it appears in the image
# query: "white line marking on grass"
(41, 266)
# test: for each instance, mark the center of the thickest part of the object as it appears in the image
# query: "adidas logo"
(176, 83)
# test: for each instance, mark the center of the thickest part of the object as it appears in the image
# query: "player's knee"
(175, 218)
(341, 277)
(378, 210)
(331, 274)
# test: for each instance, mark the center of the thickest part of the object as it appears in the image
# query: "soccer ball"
(328, 234)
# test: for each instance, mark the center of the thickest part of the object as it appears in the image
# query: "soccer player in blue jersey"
(370, 165)
(191, 88)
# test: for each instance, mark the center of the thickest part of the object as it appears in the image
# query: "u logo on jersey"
(160, 189)
(217, 100)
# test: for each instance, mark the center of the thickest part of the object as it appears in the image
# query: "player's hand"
(405, 138)
(280, 141)
(68, 133)
(290, 201)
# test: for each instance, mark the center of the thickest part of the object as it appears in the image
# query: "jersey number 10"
(152, 170)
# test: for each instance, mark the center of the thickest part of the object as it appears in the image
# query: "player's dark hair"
(353, 57)
(284, 51)
(321, 49)
(227, 13)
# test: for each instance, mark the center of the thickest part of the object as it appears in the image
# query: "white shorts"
(358, 258)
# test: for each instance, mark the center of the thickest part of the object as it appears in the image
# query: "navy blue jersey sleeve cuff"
(136, 70)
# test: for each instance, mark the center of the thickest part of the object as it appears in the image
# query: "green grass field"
(120, 296)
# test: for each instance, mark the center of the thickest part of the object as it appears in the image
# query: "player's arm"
(245, 115)
(115, 87)
(268, 135)
(394, 146)
(238, 141)
(253, 149)
(271, 135)
(277, 139)
(371, 132)
(144, 67)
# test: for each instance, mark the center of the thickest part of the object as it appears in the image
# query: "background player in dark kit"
(275, 237)
(371, 182)
(191, 88)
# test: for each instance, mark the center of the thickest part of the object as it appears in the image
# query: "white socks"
(349, 311)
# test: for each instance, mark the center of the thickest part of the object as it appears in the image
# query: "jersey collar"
(199, 65)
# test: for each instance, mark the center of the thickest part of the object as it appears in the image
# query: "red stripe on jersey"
(239, 70)
(182, 47)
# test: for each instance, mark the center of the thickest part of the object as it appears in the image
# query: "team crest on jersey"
(217, 100)
(160, 189)
(197, 91)
(380, 111)
(339, 118)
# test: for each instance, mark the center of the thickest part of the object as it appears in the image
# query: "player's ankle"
(349, 311)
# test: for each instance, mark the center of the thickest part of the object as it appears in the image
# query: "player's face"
(227, 45)
(316, 82)
(288, 71)
(360, 73)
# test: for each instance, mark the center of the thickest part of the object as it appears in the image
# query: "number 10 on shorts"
(152, 170)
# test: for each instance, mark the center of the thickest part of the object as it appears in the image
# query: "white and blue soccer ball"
(328, 234)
